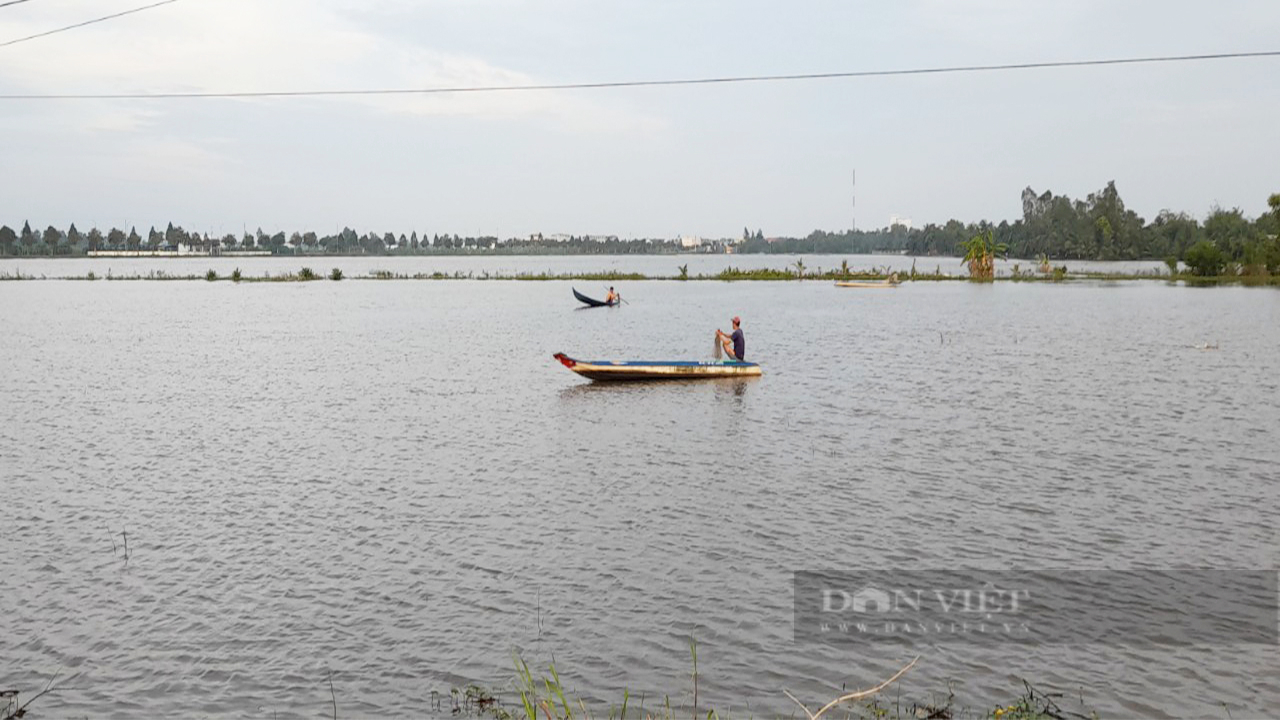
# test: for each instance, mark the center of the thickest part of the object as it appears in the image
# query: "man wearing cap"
(735, 345)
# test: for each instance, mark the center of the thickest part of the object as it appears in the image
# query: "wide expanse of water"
(393, 482)
(648, 265)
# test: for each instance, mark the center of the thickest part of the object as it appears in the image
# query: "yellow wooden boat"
(866, 284)
(657, 369)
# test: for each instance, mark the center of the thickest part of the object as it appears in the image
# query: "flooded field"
(395, 482)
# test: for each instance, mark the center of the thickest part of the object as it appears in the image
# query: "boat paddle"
(620, 299)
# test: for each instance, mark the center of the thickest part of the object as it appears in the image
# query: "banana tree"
(980, 253)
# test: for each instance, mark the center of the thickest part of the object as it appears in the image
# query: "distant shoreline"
(731, 274)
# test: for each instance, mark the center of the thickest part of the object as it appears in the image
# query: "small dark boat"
(658, 369)
(591, 302)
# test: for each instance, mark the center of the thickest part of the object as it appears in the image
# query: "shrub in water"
(235, 275)
(1205, 259)
(306, 274)
(336, 274)
(211, 275)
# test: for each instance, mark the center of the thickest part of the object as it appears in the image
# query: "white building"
(690, 241)
(904, 222)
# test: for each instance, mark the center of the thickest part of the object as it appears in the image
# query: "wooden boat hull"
(590, 302)
(857, 284)
(657, 370)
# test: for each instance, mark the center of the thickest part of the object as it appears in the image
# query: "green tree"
(133, 240)
(74, 238)
(1104, 237)
(1205, 259)
(28, 238)
(1268, 224)
(52, 239)
(8, 240)
(980, 253)
(1172, 233)
(1230, 231)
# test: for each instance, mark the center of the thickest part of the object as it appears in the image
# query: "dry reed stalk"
(853, 695)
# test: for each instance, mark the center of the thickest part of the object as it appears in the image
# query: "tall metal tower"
(853, 201)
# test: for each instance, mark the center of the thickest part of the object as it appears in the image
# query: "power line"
(644, 83)
(81, 24)
(12, 2)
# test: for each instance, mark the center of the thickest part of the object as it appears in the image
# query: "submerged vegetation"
(980, 253)
(545, 696)
(1201, 273)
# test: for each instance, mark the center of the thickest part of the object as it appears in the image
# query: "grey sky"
(635, 162)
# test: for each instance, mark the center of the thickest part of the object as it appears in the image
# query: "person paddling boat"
(735, 343)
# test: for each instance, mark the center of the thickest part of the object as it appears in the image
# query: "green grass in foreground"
(544, 697)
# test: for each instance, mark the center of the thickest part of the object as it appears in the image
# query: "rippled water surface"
(394, 482)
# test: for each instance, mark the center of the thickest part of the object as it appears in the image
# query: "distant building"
(690, 241)
(903, 222)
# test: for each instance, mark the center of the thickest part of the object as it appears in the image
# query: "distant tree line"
(1056, 227)
(55, 242)
(1099, 227)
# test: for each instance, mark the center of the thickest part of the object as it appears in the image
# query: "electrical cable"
(646, 83)
(81, 24)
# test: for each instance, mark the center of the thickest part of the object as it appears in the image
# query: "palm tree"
(800, 268)
(980, 253)
(844, 269)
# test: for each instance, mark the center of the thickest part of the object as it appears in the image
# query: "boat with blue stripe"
(658, 369)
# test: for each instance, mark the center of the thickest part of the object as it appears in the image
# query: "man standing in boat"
(735, 345)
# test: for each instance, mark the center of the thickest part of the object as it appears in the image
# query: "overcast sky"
(663, 161)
